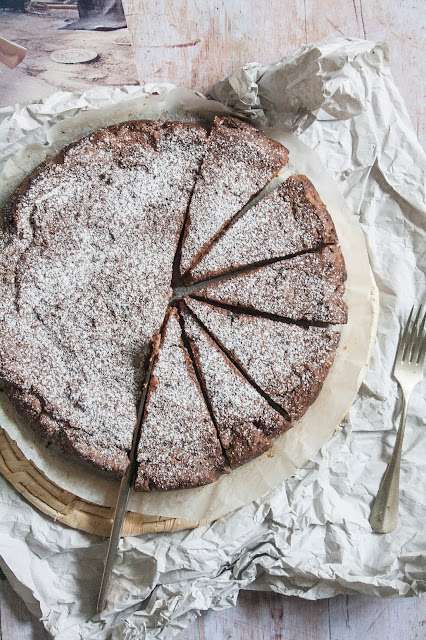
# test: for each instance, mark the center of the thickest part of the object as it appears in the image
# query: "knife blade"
(124, 492)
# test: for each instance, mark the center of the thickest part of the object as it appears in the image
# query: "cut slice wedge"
(178, 447)
(287, 362)
(246, 423)
(307, 287)
(289, 220)
(240, 161)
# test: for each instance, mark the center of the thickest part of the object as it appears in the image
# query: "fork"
(408, 371)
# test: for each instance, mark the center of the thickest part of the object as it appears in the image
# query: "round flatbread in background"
(74, 56)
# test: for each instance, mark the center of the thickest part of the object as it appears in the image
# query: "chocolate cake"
(179, 446)
(90, 244)
(246, 423)
(287, 362)
(90, 239)
(289, 220)
(239, 162)
(306, 287)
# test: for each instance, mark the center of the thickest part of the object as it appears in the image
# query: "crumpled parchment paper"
(310, 537)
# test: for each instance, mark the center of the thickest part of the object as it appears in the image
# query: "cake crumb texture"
(307, 287)
(288, 362)
(239, 162)
(90, 244)
(291, 219)
(246, 423)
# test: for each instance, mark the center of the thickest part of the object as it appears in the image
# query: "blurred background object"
(40, 31)
(99, 15)
(11, 54)
(15, 5)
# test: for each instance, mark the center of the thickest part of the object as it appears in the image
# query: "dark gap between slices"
(211, 463)
(264, 314)
(237, 365)
(273, 184)
(258, 195)
(133, 453)
(188, 346)
(182, 290)
(176, 277)
(199, 284)
(293, 182)
(246, 431)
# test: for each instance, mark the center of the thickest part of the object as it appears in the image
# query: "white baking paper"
(310, 536)
(298, 445)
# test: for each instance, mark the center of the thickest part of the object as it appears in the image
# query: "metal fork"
(408, 371)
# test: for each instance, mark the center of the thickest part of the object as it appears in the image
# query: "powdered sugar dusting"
(239, 162)
(86, 283)
(245, 422)
(291, 219)
(306, 287)
(178, 447)
(87, 246)
(288, 362)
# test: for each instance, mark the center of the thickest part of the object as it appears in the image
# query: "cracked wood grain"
(16, 622)
(195, 44)
(268, 616)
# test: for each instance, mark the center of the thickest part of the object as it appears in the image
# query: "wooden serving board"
(68, 508)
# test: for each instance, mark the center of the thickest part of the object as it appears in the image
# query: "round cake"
(142, 265)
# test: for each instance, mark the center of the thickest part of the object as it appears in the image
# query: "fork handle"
(384, 514)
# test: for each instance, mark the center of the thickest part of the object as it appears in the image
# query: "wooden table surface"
(193, 44)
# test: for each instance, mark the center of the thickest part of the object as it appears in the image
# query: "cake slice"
(289, 220)
(306, 287)
(288, 362)
(239, 162)
(178, 447)
(246, 423)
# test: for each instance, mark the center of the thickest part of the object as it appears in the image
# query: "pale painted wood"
(16, 622)
(263, 616)
(268, 616)
(193, 44)
(359, 617)
(402, 24)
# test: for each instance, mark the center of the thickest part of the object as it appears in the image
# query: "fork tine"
(420, 342)
(403, 339)
(422, 353)
(413, 336)
(400, 345)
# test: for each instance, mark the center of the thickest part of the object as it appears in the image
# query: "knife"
(123, 493)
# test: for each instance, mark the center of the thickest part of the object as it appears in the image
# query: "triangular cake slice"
(239, 162)
(246, 423)
(306, 287)
(289, 220)
(179, 447)
(288, 362)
